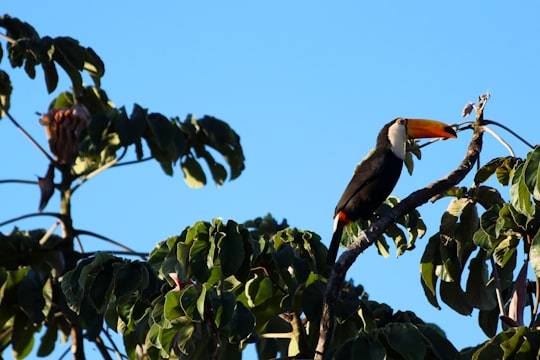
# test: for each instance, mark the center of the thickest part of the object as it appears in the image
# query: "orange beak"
(420, 128)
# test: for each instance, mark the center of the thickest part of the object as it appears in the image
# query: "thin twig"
(98, 170)
(510, 131)
(102, 348)
(17, 181)
(142, 255)
(113, 344)
(501, 140)
(28, 136)
(56, 215)
(48, 234)
(536, 300)
(131, 162)
(104, 238)
(457, 127)
(79, 243)
(498, 291)
(7, 38)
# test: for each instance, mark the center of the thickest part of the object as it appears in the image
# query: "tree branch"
(366, 238)
(25, 133)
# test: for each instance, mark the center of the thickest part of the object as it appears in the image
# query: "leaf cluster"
(217, 286)
(169, 140)
(487, 245)
(28, 50)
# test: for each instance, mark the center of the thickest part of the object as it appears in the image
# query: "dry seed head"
(63, 128)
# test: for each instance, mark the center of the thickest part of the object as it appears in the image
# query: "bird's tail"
(336, 240)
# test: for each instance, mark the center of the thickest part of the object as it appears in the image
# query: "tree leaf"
(534, 254)
(453, 296)
(242, 323)
(231, 246)
(519, 194)
(5, 92)
(188, 301)
(430, 260)
(405, 340)
(161, 129)
(193, 173)
(531, 172)
(478, 294)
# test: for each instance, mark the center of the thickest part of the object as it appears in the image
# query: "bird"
(376, 175)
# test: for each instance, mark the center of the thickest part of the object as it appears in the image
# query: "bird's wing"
(364, 173)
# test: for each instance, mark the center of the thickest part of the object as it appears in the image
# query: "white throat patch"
(397, 135)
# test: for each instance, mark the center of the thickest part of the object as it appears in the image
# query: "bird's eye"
(402, 122)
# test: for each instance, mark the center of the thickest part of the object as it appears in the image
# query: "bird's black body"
(373, 180)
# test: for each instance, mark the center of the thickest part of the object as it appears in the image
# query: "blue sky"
(307, 85)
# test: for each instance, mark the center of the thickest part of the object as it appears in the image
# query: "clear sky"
(307, 85)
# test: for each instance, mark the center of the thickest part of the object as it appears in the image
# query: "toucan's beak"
(420, 128)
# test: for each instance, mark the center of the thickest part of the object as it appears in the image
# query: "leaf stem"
(17, 181)
(131, 162)
(98, 170)
(501, 140)
(509, 130)
(111, 241)
(28, 136)
(497, 280)
(56, 215)
(7, 38)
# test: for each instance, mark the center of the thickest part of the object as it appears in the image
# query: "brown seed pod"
(63, 128)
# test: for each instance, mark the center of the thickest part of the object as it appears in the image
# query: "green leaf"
(534, 254)
(428, 264)
(221, 137)
(193, 172)
(242, 323)
(51, 75)
(22, 337)
(531, 172)
(199, 256)
(48, 340)
(489, 321)
(258, 290)
(363, 347)
(405, 340)
(130, 129)
(189, 302)
(485, 172)
(453, 296)
(231, 247)
(172, 310)
(31, 297)
(400, 240)
(519, 194)
(224, 308)
(5, 92)
(161, 129)
(478, 294)
(441, 347)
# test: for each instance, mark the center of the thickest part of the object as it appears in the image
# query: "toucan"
(376, 175)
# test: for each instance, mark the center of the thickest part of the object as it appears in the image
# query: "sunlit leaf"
(519, 194)
(430, 260)
(193, 172)
(534, 253)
